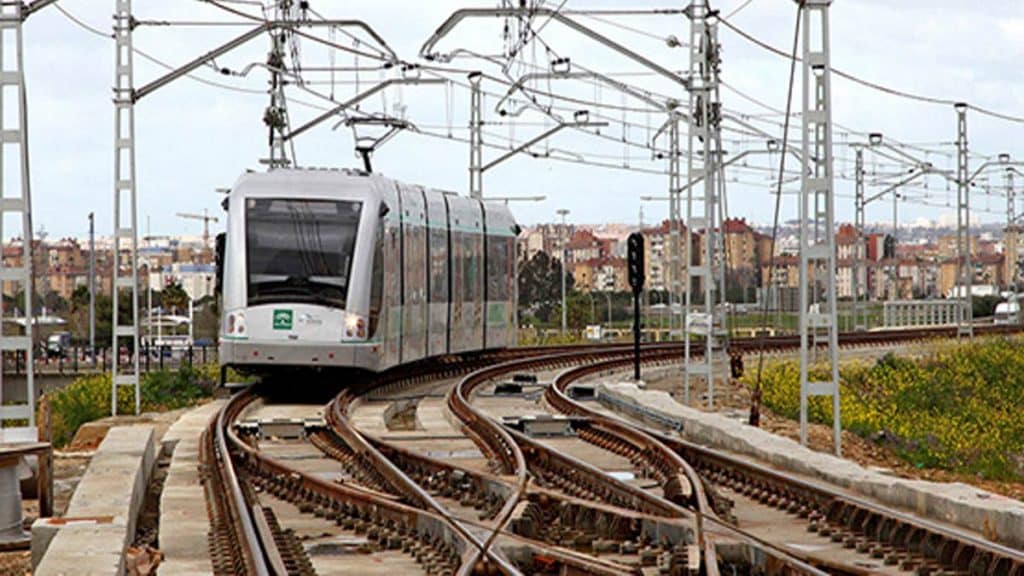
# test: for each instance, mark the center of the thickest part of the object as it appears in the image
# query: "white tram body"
(345, 269)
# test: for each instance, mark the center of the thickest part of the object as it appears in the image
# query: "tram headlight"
(355, 326)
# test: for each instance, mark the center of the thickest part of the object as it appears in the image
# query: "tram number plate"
(282, 319)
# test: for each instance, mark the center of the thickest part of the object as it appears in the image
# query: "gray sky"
(193, 138)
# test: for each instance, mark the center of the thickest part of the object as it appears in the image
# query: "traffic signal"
(889, 247)
(635, 245)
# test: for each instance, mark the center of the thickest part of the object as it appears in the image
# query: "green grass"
(88, 398)
(957, 408)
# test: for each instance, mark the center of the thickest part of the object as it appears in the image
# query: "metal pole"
(1010, 240)
(149, 301)
(515, 293)
(125, 225)
(895, 279)
(965, 271)
(677, 247)
(476, 175)
(17, 202)
(705, 115)
(859, 250)
(636, 335)
(817, 220)
(92, 288)
(565, 254)
(276, 116)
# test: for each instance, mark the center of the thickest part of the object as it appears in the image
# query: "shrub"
(957, 408)
(88, 398)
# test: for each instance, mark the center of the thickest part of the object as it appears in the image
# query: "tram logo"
(282, 319)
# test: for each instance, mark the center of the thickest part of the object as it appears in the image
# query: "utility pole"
(1012, 230)
(818, 324)
(125, 195)
(565, 255)
(964, 269)
(476, 145)
(705, 117)
(894, 277)
(92, 288)
(276, 115)
(678, 249)
(860, 316)
(17, 202)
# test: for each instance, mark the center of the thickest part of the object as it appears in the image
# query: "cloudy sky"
(194, 138)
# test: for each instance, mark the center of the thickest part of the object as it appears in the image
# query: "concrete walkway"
(184, 522)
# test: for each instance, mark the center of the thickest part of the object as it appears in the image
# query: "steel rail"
(338, 500)
(257, 554)
(654, 449)
(935, 542)
(507, 449)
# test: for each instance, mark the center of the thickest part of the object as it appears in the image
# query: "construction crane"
(206, 218)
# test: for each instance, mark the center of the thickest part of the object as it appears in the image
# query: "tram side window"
(377, 279)
(438, 265)
(471, 271)
(498, 268)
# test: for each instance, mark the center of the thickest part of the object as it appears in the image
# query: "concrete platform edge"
(998, 517)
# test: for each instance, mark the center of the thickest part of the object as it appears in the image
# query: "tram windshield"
(300, 250)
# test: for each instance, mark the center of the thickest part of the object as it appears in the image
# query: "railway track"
(516, 505)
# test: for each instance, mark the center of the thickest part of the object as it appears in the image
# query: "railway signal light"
(635, 245)
(635, 251)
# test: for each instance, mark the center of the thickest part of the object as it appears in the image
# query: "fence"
(78, 360)
(909, 313)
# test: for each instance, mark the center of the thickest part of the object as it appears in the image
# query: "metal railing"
(79, 360)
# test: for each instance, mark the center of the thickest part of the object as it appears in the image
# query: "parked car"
(58, 344)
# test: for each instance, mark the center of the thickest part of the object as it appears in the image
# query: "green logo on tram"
(282, 319)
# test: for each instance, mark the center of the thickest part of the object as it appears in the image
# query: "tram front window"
(300, 250)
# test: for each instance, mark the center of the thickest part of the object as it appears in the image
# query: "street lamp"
(563, 213)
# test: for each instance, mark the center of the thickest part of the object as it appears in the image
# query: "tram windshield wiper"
(300, 289)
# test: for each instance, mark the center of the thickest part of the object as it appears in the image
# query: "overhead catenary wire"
(511, 142)
(873, 85)
(755, 401)
(553, 94)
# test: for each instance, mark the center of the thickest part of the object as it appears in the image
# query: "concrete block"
(107, 502)
(86, 550)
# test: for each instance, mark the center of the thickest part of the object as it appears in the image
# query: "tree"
(54, 303)
(540, 287)
(80, 297)
(174, 298)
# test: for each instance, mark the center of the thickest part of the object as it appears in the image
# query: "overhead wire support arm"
(30, 8)
(539, 138)
(392, 56)
(357, 99)
(458, 16)
(520, 86)
(228, 46)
